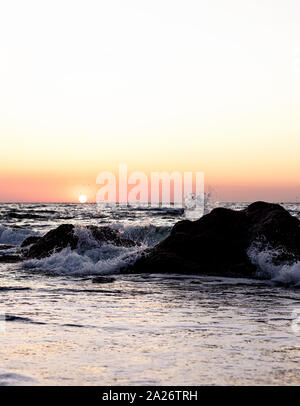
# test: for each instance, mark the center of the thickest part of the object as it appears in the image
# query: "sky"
(159, 85)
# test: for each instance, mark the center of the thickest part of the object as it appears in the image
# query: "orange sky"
(161, 85)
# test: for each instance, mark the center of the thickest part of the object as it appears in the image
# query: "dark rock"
(217, 243)
(103, 279)
(274, 224)
(65, 236)
(29, 241)
(55, 240)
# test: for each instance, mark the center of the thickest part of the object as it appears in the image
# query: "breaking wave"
(94, 258)
(107, 259)
(268, 268)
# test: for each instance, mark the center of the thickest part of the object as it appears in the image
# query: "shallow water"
(63, 329)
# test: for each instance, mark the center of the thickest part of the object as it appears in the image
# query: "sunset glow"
(211, 87)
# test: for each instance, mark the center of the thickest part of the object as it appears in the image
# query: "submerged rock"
(65, 236)
(217, 243)
(103, 279)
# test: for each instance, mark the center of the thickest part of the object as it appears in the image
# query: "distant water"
(63, 329)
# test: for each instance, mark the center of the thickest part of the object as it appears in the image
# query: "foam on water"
(90, 257)
(103, 261)
(94, 257)
(285, 273)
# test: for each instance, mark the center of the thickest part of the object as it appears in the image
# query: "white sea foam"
(286, 273)
(108, 259)
(91, 256)
(14, 236)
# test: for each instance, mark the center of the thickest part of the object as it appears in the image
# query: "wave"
(94, 258)
(149, 234)
(106, 260)
(22, 215)
(9, 288)
(268, 267)
(14, 236)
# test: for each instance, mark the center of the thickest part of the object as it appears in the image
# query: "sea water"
(57, 327)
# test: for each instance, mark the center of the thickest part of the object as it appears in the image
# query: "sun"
(82, 198)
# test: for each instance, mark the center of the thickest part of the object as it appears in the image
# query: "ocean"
(58, 327)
